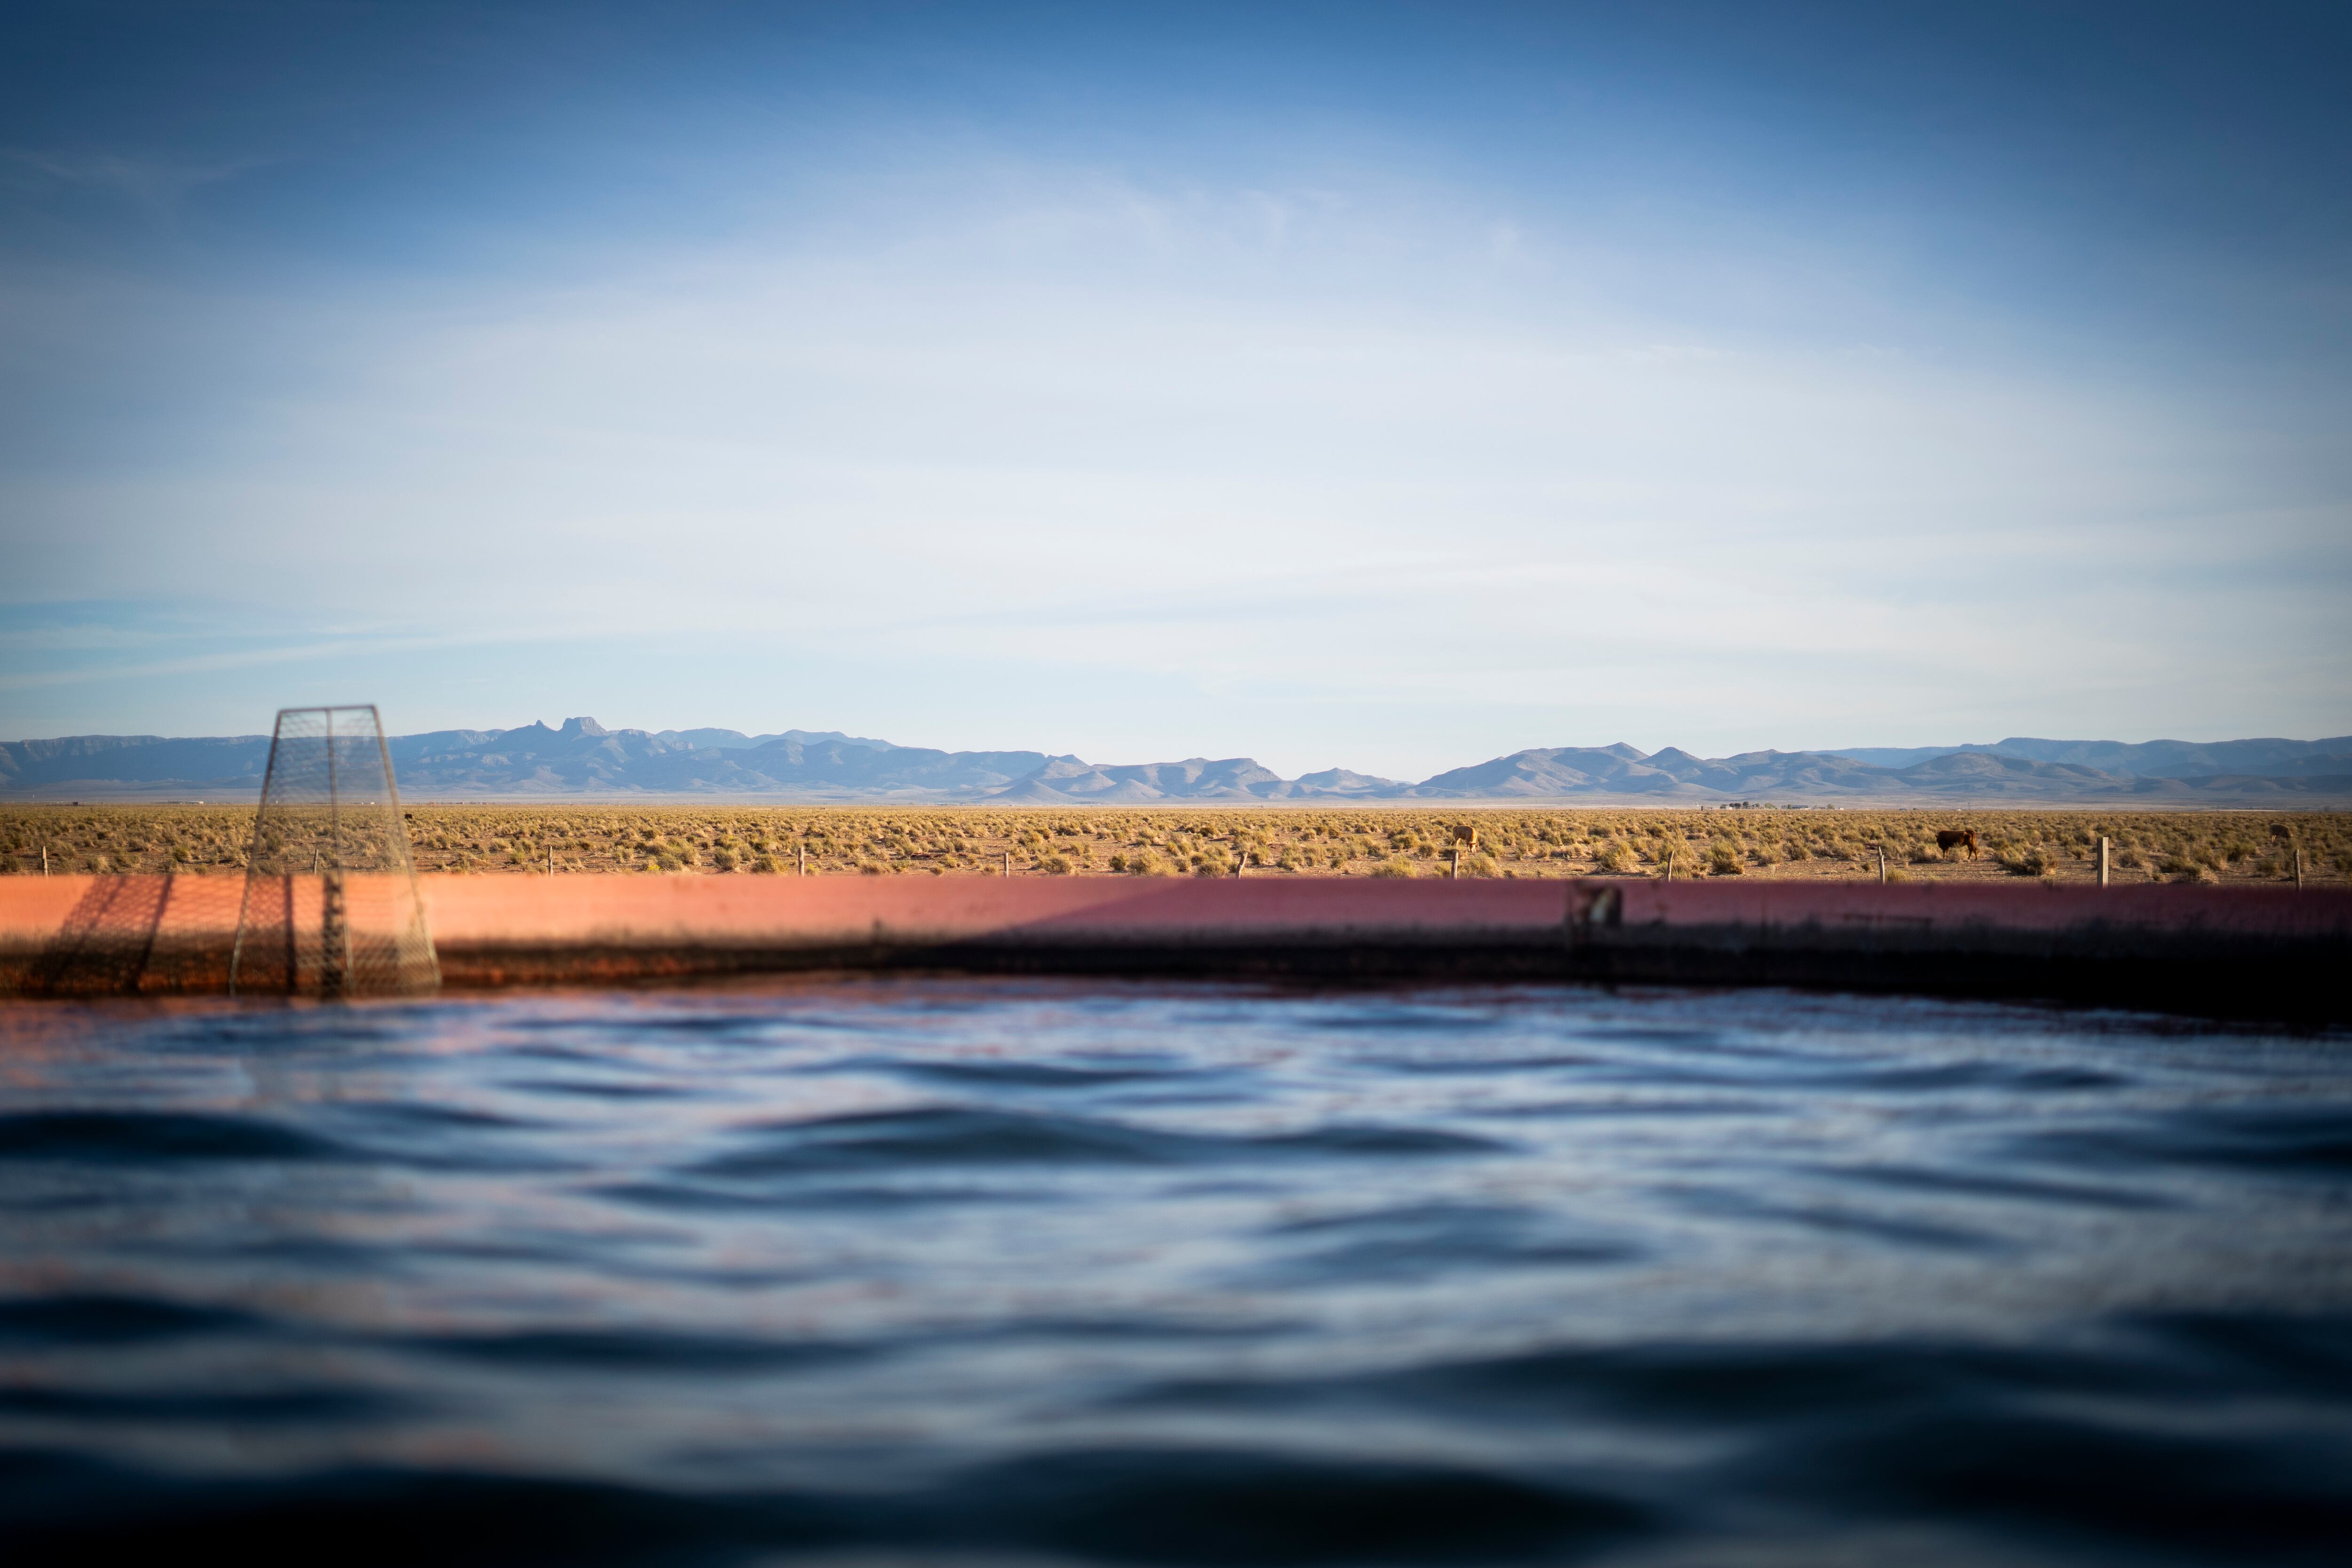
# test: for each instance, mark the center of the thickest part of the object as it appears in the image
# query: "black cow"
(1965, 838)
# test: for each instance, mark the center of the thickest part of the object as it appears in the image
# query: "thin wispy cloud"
(1334, 426)
(158, 185)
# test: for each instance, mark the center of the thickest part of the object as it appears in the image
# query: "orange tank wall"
(2136, 943)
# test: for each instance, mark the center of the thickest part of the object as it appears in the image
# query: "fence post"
(1882, 863)
(1008, 863)
(2298, 865)
(335, 977)
(2103, 861)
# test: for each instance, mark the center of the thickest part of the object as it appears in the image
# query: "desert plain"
(2237, 847)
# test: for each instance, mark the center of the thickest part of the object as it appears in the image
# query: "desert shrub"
(1671, 857)
(1481, 865)
(872, 868)
(1723, 860)
(1054, 865)
(517, 840)
(1118, 863)
(1395, 865)
(723, 859)
(1616, 857)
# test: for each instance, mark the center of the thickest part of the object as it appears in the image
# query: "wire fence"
(330, 905)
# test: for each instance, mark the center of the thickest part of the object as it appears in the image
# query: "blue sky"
(1381, 386)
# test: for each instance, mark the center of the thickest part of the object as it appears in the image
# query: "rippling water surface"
(1028, 1271)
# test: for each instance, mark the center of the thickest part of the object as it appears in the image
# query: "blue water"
(1025, 1271)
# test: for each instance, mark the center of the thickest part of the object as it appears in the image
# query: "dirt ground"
(835, 840)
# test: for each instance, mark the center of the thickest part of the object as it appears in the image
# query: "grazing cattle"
(1465, 837)
(1962, 838)
(2281, 830)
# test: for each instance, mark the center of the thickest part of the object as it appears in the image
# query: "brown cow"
(2281, 830)
(1465, 837)
(1965, 838)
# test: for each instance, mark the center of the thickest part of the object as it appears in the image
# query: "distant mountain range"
(583, 760)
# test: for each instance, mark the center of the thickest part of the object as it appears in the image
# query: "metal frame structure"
(351, 921)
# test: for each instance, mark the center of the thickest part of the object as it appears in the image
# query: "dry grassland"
(2206, 846)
